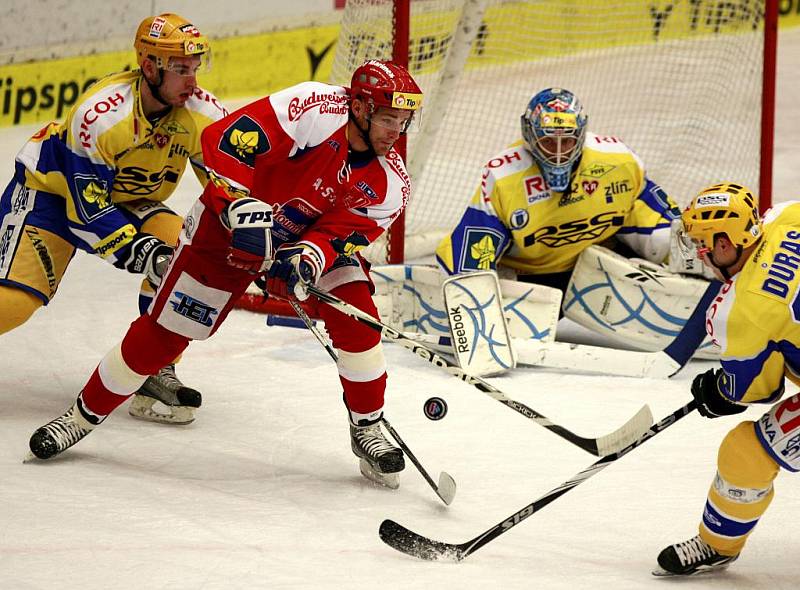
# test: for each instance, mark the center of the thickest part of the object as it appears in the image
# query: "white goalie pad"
(478, 332)
(409, 298)
(634, 302)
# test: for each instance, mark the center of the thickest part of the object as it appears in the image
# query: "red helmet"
(385, 84)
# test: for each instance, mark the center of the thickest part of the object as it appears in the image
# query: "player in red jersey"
(301, 181)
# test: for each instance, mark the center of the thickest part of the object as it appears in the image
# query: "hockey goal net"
(684, 84)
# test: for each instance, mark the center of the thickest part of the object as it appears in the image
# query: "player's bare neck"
(152, 108)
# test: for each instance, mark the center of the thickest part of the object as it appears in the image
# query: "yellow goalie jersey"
(515, 220)
(756, 316)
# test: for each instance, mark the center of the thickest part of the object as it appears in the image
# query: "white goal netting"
(679, 82)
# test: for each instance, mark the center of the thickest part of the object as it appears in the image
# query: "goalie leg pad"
(630, 300)
(481, 341)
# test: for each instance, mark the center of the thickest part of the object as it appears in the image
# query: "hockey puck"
(435, 408)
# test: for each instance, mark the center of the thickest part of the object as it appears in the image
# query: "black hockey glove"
(710, 401)
(147, 255)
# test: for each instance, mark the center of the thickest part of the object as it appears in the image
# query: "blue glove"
(250, 223)
(293, 269)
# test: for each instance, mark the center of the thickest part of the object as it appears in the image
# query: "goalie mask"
(554, 128)
(387, 84)
(160, 38)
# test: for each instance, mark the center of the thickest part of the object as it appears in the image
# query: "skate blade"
(662, 573)
(387, 480)
(30, 457)
(145, 408)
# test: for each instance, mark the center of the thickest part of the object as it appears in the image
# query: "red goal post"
(689, 86)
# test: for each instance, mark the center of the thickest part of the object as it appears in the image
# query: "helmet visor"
(400, 120)
(189, 66)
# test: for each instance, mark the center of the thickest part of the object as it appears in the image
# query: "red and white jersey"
(290, 149)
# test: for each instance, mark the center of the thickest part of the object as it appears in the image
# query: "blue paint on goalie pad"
(511, 310)
(720, 524)
(478, 317)
(635, 312)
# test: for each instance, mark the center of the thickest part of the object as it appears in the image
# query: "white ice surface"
(263, 491)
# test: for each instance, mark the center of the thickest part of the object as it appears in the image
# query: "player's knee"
(742, 461)
(362, 367)
(148, 346)
(164, 226)
(16, 307)
(346, 333)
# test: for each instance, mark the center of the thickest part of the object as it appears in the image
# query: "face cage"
(688, 246)
(558, 158)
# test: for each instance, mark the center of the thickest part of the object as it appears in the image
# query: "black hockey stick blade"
(413, 544)
(399, 537)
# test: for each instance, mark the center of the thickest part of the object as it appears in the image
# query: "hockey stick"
(414, 544)
(619, 439)
(446, 489)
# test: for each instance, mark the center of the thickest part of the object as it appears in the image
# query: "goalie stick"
(446, 488)
(406, 541)
(619, 439)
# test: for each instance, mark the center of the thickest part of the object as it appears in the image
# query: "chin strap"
(364, 132)
(723, 270)
(154, 88)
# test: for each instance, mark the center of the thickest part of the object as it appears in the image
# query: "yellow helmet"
(725, 208)
(168, 35)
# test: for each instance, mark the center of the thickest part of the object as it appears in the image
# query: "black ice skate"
(691, 557)
(60, 434)
(176, 402)
(381, 461)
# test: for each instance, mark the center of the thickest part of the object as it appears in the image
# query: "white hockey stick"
(619, 439)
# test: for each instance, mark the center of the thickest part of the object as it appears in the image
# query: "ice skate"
(163, 398)
(380, 461)
(691, 557)
(60, 434)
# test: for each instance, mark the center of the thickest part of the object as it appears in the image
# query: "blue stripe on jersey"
(720, 524)
(746, 370)
(656, 199)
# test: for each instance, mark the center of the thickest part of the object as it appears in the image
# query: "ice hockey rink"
(262, 490)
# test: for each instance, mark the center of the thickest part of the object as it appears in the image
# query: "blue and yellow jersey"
(756, 316)
(515, 220)
(106, 154)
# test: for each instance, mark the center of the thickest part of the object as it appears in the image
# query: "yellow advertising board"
(255, 65)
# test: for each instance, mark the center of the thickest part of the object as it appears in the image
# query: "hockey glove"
(249, 221)
(711, 403)
(147, 255)
(292, 271)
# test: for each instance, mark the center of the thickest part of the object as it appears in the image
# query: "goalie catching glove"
(147, 255)
(711, 402)
(249, 221)
(293, 269)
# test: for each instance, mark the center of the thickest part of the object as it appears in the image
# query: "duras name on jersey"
(783, 267)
